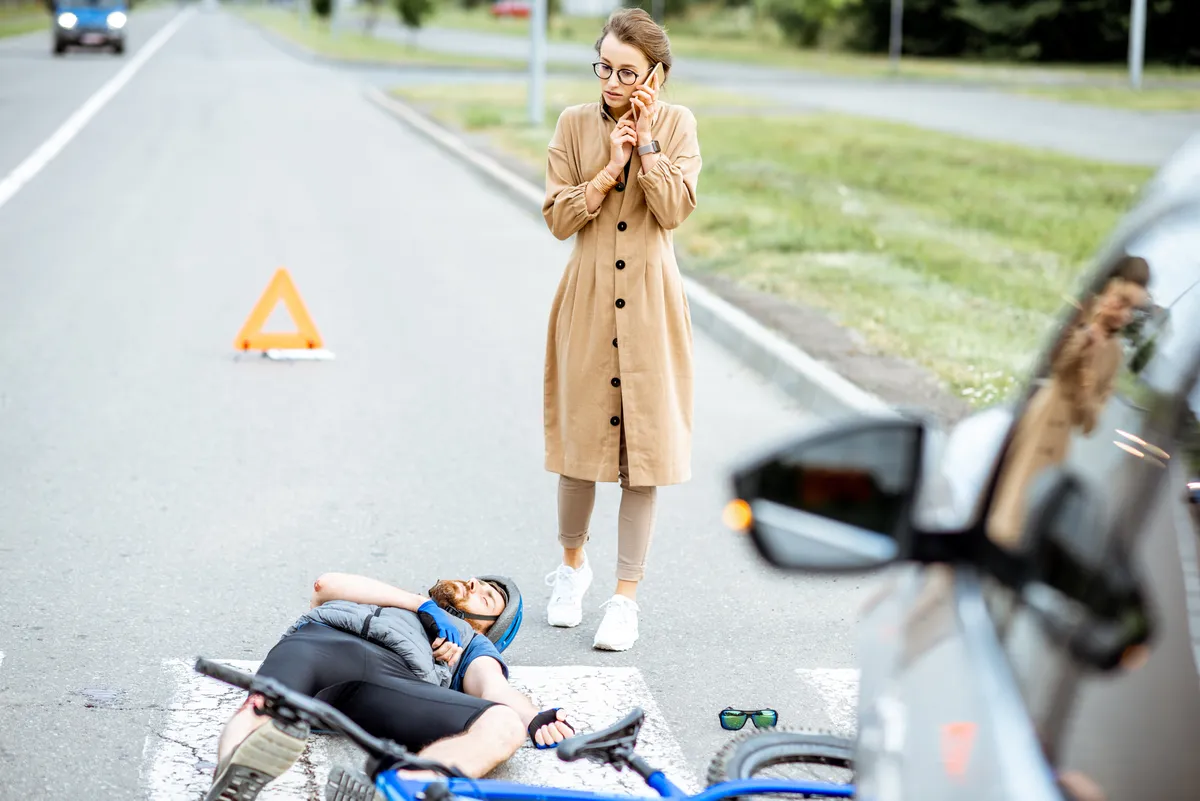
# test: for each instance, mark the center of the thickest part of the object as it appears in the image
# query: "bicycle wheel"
(787, 754)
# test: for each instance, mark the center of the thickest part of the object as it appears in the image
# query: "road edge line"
(798, 375)
(50, 147)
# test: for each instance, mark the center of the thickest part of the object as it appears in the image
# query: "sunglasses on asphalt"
(734, 719)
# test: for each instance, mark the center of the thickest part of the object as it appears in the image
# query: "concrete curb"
(801, 377)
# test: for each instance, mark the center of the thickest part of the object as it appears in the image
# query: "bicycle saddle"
(602, 746)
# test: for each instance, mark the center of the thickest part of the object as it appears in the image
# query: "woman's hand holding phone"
(621, 142)
(644, 101)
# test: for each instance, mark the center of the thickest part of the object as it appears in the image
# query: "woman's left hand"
(645, 102)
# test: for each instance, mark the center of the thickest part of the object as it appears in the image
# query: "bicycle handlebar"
(225, 673)
(291, 706)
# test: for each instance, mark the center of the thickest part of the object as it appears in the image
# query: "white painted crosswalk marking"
(838, 690)
(179, 760)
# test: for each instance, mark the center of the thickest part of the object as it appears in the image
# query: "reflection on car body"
(1040, 638)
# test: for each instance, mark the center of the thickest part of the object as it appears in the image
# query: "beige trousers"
(635, 526)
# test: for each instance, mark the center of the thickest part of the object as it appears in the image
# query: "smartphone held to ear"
(653, 81)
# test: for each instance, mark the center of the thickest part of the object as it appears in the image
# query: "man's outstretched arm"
(484, 679)
(362, 590)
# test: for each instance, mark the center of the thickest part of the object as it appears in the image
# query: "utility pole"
(1137, 42)
(537, 63)
(897, 37)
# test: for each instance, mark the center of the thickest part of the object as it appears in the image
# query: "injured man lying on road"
(425, 672)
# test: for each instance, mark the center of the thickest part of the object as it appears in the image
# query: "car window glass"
(1123, 345)
(1098, 426)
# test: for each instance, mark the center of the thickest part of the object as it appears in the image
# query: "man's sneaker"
(349, 785)
(566, 599)
(265, 754)
(619, 629)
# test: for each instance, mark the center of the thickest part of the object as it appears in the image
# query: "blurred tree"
(803, 21)
(413, 13)
(322, 8)
(671, 9)
(1042, 30)
(930, 28)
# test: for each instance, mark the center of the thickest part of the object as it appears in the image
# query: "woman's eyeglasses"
(734, 719)
(603, 70)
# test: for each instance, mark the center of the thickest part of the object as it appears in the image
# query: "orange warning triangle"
(958, 739)
(252, 337)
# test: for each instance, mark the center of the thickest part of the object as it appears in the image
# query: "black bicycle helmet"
(504, 625)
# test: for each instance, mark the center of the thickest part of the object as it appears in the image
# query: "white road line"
(838, 690)
(178, 761)
(46, 152)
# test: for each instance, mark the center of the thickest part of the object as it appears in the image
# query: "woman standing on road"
(621, 174)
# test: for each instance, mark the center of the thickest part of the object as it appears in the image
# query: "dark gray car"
(1038, 634)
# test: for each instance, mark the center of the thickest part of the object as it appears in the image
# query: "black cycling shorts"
(370, 685)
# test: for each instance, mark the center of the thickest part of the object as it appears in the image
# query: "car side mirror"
(839, 500)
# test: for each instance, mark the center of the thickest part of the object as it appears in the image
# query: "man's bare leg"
(492, 738)
(239, 727)
(252, 751)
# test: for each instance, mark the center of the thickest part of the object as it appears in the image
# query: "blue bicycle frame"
(393, 788)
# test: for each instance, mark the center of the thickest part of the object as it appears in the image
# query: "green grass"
(947, 251)
(354, 45)
(738, 36)
(24, 18)
(1185, 98)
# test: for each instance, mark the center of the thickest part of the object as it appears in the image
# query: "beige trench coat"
(619, 345)
(1078, 391)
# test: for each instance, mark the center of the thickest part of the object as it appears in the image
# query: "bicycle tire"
(752, 751)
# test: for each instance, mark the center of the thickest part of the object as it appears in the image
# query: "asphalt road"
(1106, 134)
(162, 498)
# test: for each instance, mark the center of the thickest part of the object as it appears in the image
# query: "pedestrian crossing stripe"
(180, 758)
(838, 690)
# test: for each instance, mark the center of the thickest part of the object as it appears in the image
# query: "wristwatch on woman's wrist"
(651, 147)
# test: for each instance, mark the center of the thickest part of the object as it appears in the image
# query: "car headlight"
(117, 19)
(67, 19)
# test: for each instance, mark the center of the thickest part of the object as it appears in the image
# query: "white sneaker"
(619, 629)
(565, 609)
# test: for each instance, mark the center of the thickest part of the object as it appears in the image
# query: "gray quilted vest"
(397, 630)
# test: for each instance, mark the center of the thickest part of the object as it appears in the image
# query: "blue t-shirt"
(477, 647)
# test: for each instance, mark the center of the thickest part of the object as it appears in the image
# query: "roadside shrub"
(802, 22)
(413, 13)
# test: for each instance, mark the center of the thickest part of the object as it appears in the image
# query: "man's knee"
(503, 726)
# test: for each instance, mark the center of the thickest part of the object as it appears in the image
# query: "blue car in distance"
(89, 23)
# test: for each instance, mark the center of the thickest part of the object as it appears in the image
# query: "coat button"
(620, 264)
(620, 187)
(621, 225)
(616, 421)
(620, 303)
(614, 342)
(616, 382)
